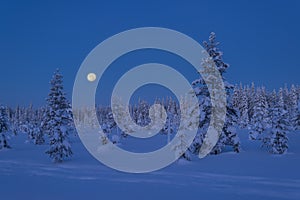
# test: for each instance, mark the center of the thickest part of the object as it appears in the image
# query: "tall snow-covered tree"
(240, 103)
(211, 46)
(11, 120)
(293, 107)
(277, 142)
(286, 96)
(202, 93)
(244, 110)
(172, 121)
(297, 122)
(297, 117)
(251, 93)
(57, 120)
(4, 128)
(236, 98)
(260, 117)
(228, 136)
(142, 113)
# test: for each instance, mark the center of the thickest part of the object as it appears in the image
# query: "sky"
(259, 39)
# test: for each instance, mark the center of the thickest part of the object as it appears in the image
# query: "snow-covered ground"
(26, 172)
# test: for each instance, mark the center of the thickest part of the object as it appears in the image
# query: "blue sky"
(260, 39)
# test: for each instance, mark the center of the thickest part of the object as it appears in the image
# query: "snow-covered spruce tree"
(202, 93)
(107, 121)
(277, 142)
(57, 120)
(240, 103)
(188, 121)
(244, 110)
(22, 116)
(87, 117)
(293, 107)
(271, 99)
(181, 146)
(142, 113)
(32, 126)
(34, 132)
(298, 94)
(297, 122)
(286, 97)
(236, 98)
(260, 118)
(228, 136)
(38, 134)
(11, 120)
(173, 118)
(297, 117)
(17, 120)
(251, 93)
(4, 128)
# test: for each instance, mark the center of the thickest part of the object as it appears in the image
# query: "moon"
(91, 77)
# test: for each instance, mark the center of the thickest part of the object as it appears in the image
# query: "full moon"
(91, 77)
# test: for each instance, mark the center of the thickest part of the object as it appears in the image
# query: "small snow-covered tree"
(4, 128)
(57, 120)
(108, 123)
(32, 125)
(34, 132)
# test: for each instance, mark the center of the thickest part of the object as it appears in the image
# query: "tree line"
(268, 116)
